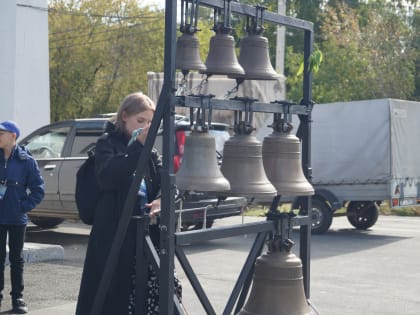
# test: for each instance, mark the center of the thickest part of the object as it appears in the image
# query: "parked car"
(60, 148)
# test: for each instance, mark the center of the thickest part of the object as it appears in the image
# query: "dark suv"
(60, 148)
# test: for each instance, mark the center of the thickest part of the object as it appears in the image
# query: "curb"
(35, 252)
(64, 309)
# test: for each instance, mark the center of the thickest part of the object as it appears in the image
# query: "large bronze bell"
(222, 56)
(242, 166)
(255, 59)
(199, 169)
(277, 287)
(188, 53)
(283, 164)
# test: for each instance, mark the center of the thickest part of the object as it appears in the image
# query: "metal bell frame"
(171, 243)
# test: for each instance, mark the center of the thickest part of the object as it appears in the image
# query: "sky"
(159, 3)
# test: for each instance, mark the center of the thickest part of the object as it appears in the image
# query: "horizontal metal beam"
(188, 237)
(183, 238)
(241, 105)
(268, 16)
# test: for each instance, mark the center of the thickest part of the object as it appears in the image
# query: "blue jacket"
(25, 186)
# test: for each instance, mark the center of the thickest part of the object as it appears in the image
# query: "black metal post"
(167, 223)
(305, 135)
(141, 268)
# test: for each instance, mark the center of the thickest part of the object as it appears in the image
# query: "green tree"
(416, 48)
(99, 52)
(367, 52)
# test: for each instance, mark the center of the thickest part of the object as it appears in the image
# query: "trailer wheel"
(362, 214)
(321, 216)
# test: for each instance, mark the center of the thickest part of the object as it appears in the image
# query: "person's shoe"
(19, 306)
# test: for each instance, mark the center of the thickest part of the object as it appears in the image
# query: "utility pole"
(280, 38)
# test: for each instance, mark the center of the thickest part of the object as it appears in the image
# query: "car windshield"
(48, 144)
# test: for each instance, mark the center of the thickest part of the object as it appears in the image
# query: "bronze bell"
(222, 56)
(199, 169)
(283, 164)
(255, 59)
(277, 287)
(242, 166)
(188, 53)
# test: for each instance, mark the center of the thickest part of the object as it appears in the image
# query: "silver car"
(60, 148)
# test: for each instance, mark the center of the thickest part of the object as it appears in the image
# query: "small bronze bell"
(222, 56)
(242, 166)
(283, 164)
(255, 59)
(199, 169)
(188, 53)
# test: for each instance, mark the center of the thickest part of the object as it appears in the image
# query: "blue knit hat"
(10, 126)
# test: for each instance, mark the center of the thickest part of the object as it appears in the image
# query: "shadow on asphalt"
(345, 241)
(50, 236)
(332, 243)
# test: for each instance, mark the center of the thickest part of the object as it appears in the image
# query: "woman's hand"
(154, 208)
(143, 135)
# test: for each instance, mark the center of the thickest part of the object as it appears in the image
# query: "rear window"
(84, 141)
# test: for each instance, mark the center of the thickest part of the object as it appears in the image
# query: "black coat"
(115, 164)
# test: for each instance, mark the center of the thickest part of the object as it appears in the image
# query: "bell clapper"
(235, 89)
(313, 307)
(179, 198)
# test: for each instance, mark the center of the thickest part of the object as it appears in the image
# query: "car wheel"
(197, 226)
(362, 214)
(46, 223)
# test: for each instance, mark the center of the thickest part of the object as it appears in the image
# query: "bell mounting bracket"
(281, 123)
(225, 26)
(244, 126)
(280, 239)
(257, 23)
(201, 122)
(189, 16)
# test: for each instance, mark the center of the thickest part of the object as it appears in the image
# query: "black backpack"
(87, 189)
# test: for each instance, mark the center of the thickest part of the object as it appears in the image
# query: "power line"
(117, 17)
(107, 39)
(99, 32)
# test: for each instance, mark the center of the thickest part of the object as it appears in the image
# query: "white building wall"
(24, 63)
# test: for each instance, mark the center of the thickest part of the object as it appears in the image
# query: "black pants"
(16, 241)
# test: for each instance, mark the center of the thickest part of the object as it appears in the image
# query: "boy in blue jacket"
(21, 189)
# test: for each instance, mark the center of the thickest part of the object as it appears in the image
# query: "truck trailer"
(363, 153)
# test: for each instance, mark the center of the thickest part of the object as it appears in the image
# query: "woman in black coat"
(115, 163)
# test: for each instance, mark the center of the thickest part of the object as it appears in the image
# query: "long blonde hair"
(133, 104)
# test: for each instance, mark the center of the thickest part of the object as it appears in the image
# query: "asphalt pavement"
(352, 272)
